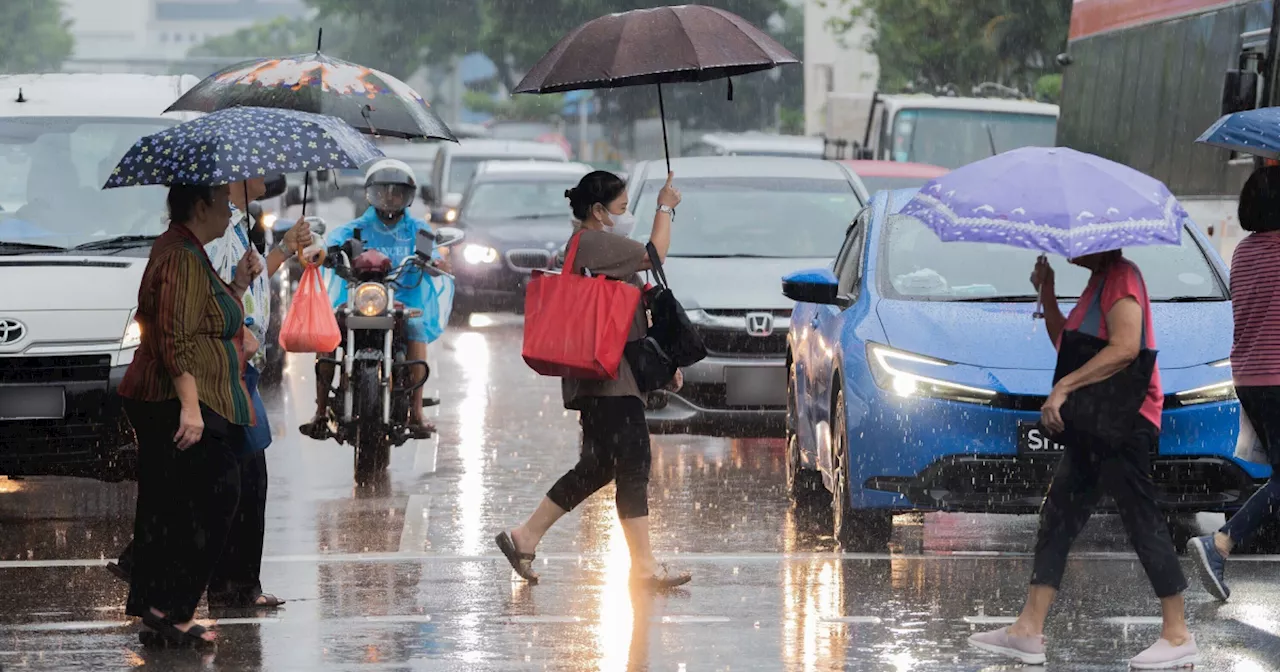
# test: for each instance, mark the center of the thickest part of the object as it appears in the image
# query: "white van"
(455, 165)
(71, 259)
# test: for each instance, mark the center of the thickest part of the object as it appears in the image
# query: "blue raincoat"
(432, 295)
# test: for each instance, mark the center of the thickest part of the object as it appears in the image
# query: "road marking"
(60, 652)
(424, 455)
(543, 620)
(869, 620)
(67, 625)
(990, 620)
(1134, 620)
(575, 558)
(414, 534)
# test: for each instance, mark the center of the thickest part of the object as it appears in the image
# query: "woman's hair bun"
(598, 187)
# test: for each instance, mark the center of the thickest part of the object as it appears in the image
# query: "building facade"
(835, 66)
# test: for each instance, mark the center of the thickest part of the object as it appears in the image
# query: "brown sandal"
(522, 563)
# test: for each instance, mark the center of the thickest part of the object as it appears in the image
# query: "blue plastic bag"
(257, 437)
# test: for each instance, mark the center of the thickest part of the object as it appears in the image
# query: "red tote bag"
(576, 326)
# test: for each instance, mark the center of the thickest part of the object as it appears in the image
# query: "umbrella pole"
(662, 112)
(306, 188)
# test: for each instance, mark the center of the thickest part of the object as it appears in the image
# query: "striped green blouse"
(191, 323)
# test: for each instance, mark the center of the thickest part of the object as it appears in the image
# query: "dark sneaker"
(1212, 566)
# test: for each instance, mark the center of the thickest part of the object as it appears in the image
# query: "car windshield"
(916, 265)
(511, 199)
(754, 216)
(874, 183)
(51, 174)
(953, 138)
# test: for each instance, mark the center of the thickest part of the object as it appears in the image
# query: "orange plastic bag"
(310, 325)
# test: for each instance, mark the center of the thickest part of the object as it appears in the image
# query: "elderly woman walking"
(1115, 308)
(186, 399)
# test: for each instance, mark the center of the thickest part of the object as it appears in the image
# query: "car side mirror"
(275, 186)
(818, 285)
(324, 175)
(428, 194)
(1239, 91)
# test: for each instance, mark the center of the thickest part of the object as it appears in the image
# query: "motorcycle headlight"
(370, 299)
(451, 215)
(269, 220)
(132, 335)
(882, 360)
(479, 254)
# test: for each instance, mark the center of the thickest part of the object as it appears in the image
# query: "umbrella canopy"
(371, 101)
(1052, 199)
(1255, 132)
(689, 43)
(241, 143)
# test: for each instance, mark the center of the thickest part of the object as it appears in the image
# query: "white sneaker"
(1163, 655)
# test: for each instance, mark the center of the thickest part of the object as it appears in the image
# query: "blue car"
(916, 375)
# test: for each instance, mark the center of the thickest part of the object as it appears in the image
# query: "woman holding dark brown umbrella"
(186, 399)
(615, 435)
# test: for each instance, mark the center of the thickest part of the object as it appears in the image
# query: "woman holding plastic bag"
(1255, 364)
(615, 435)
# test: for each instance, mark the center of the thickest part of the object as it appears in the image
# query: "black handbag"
(1105, 412)
(650, 364)
(670, 326)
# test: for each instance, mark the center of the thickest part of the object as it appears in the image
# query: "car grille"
(740, 343)
(529, 260)
(37, 370)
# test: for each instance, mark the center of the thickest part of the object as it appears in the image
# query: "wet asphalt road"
(401, 574)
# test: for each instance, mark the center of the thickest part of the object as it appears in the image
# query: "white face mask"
(622, 224)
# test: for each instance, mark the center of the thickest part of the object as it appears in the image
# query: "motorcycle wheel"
(372, 449)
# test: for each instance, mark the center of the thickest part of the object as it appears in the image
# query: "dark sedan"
(516, 217)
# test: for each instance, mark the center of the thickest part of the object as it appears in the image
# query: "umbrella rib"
(684, 30)
(763, 52)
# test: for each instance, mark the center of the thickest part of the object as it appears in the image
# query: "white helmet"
(390, 185)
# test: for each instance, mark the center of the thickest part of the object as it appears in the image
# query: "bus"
(945, 131)
(1144, 78)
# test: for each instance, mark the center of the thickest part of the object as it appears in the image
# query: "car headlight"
(909, 384)
(132, 335)
(370, 299)
(1224, 391)
(479, 254)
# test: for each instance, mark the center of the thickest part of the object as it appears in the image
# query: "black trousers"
(1124, 472)
(237, 575)
(615, 446)
(186, 502)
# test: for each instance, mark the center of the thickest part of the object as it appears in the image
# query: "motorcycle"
(369, 409)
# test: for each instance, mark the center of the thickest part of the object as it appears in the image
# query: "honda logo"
(11, 331)
(760, 324)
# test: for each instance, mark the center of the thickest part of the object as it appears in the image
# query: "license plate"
(1033, 441)
(755, 385)
(32, 403)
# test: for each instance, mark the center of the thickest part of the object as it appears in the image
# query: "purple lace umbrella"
(1052, 199)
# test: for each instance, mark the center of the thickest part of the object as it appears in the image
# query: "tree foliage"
(34, 36)
(925, 44)
(357, 42)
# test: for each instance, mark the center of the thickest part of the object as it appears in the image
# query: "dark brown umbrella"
(664, 45)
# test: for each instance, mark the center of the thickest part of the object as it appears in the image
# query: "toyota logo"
(760, 324)
(11, 331)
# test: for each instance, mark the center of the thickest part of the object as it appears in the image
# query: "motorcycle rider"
(388, 227)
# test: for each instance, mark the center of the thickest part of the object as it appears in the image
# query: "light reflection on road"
(471, 350)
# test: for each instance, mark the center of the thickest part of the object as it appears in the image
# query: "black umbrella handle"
(662, 112)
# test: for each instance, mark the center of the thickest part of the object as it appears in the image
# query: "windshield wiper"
(1011, 298)
(12, 247)
(726, 256)
(1190, 299)
(544, 215)
(116, 243)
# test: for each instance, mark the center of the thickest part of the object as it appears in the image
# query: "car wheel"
(855, 529)
(804, 486)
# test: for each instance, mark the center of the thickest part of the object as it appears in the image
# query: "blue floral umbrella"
(1255, 132)
(240, 143)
